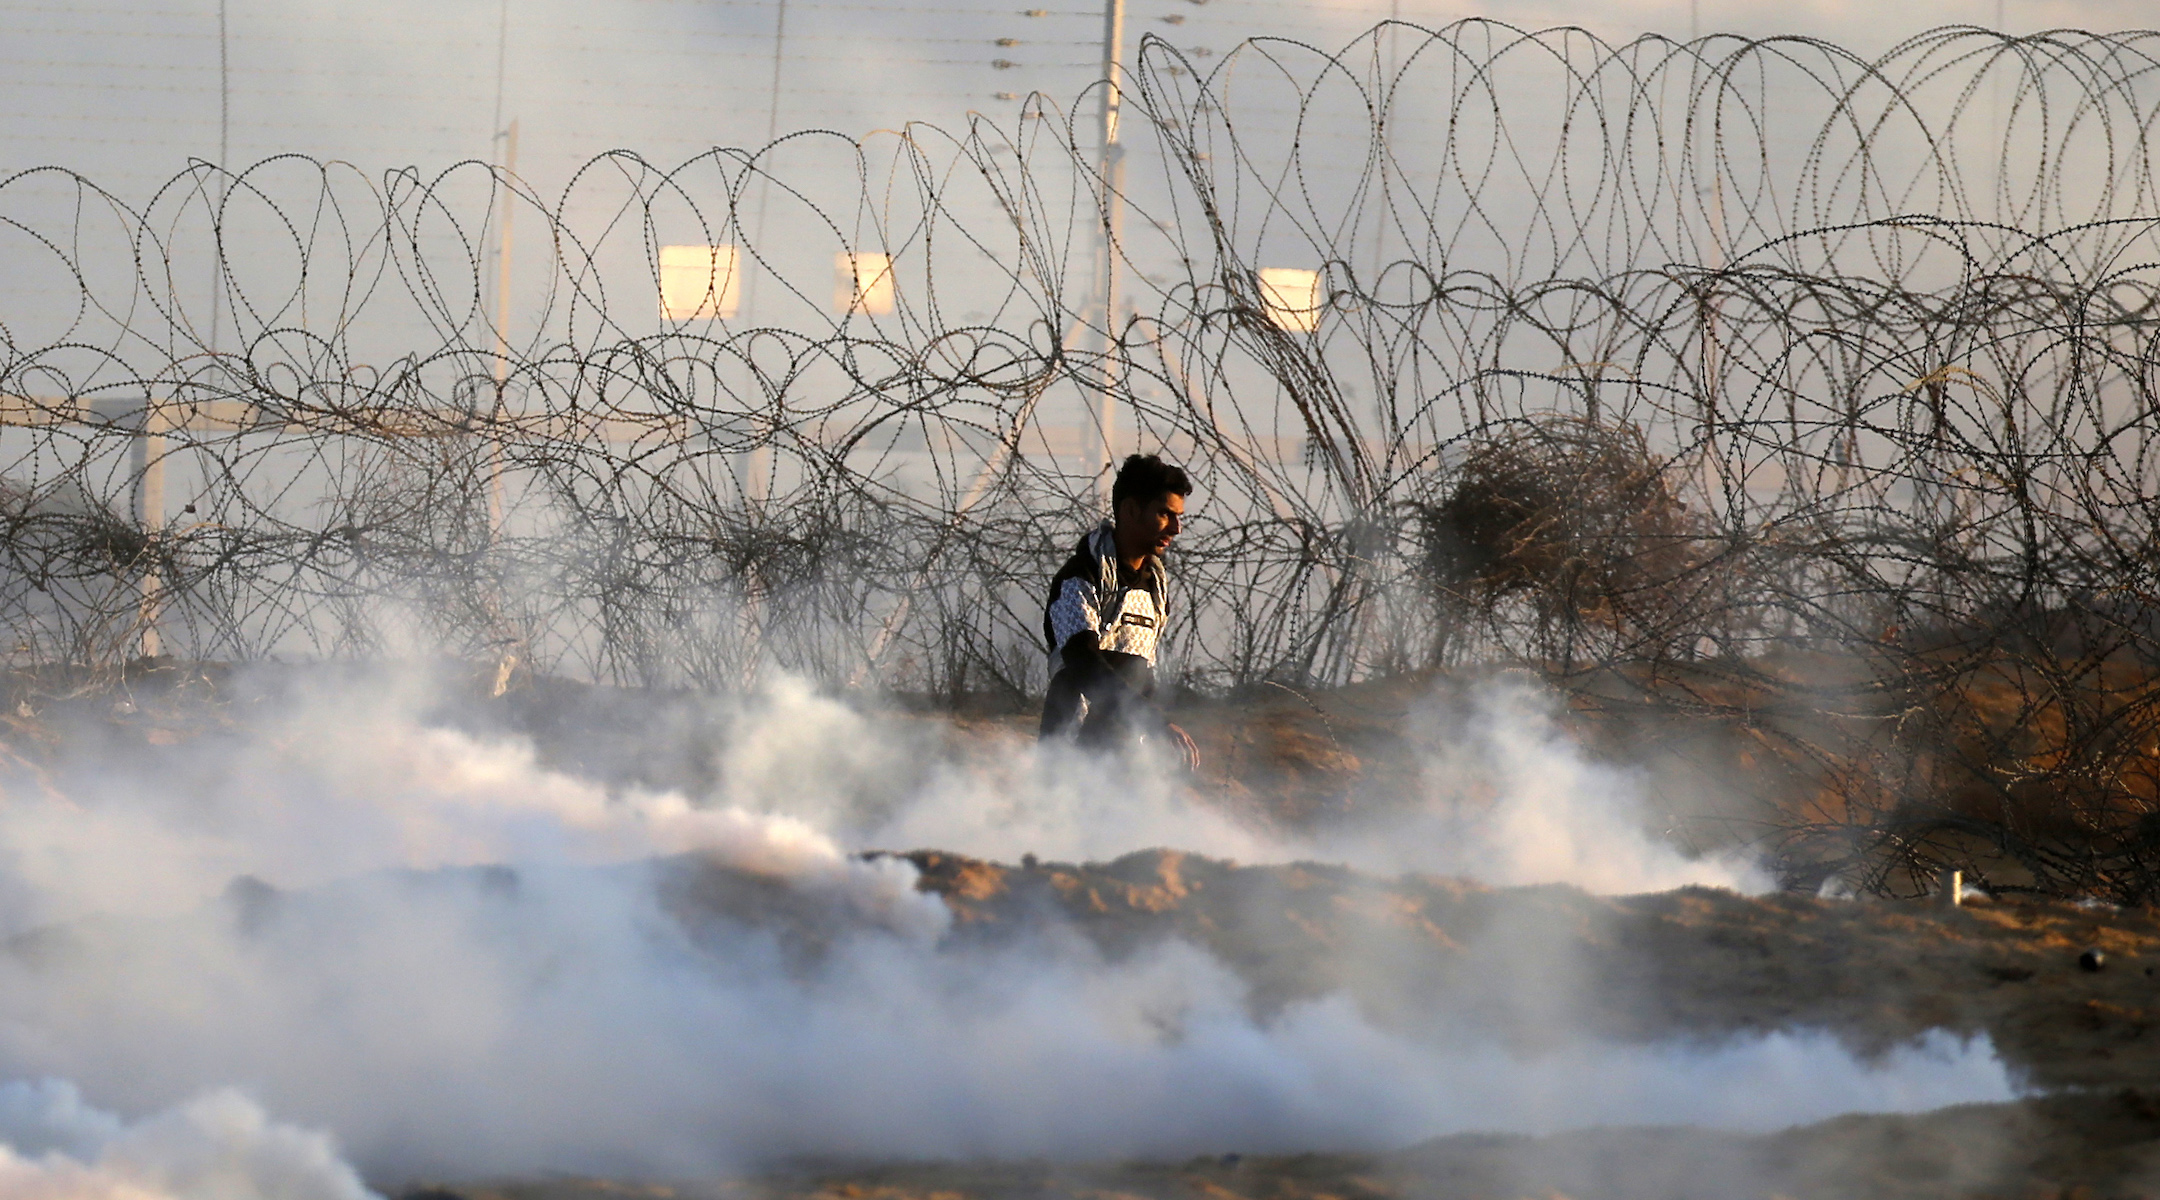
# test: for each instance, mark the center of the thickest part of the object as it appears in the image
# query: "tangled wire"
(1803, 396)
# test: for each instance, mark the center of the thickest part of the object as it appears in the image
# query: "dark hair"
(1146, 477)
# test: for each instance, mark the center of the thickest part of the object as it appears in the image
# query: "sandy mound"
(1690, 963)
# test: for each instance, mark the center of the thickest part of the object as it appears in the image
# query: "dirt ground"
(1695, 962)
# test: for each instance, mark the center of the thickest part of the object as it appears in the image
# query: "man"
(1104, 619)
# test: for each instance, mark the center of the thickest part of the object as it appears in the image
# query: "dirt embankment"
(1690, 963)
(1541, 964)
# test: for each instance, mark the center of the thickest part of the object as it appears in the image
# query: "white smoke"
(465, 1025)
(350, 781)
(217, 1146)
(1508, 798)
(1505, 797)
(465, 963)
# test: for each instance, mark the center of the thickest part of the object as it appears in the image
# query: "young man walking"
(1105, 615)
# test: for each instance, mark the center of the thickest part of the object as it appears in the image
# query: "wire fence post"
(1113, 228)
(508, 639)
(147, 460)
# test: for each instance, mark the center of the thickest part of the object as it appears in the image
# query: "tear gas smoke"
(462, 962)
(1506, 798)
(217, 1146)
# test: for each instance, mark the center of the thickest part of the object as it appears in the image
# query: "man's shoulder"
(1081, 562)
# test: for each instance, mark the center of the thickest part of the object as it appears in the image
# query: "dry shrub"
(1559, 527)
(2033, 771)
(2001, 726)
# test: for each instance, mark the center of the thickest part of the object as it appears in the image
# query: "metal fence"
(1628, 361)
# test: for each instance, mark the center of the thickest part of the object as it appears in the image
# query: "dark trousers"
(1113, 711)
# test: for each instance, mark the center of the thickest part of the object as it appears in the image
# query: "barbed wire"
(1803, 394)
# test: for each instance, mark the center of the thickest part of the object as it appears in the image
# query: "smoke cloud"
(1505, 797)
(462, 962)
(217, 1146)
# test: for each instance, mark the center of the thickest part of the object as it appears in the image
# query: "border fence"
(1806, 395)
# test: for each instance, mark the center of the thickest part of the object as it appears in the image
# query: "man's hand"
(1182, 742)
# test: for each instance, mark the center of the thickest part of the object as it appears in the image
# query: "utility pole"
(224, 87)
(148, 461)
(502, 259)
(506, 665)
(505, 187)
(223, 169)
(510, 643)
(1995, 113)
(758, 464)
(1113, 230)
(1391, 63)
(502, 330)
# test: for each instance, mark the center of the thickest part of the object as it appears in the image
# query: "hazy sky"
(128, 91)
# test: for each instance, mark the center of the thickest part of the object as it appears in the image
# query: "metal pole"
(149, 464)
(502, 261)
(1113, 174)
(217, 254)
(224, 71)
(1995, 113)
(509, 137)
(757, 465)
(502, 333)
(506, 665)
(502, 62)
(1391, 64)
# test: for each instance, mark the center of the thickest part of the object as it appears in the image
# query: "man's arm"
(1074, 609)
(1072, 621)
(1098, 680)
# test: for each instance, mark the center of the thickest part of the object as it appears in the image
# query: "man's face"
(1153, 522)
